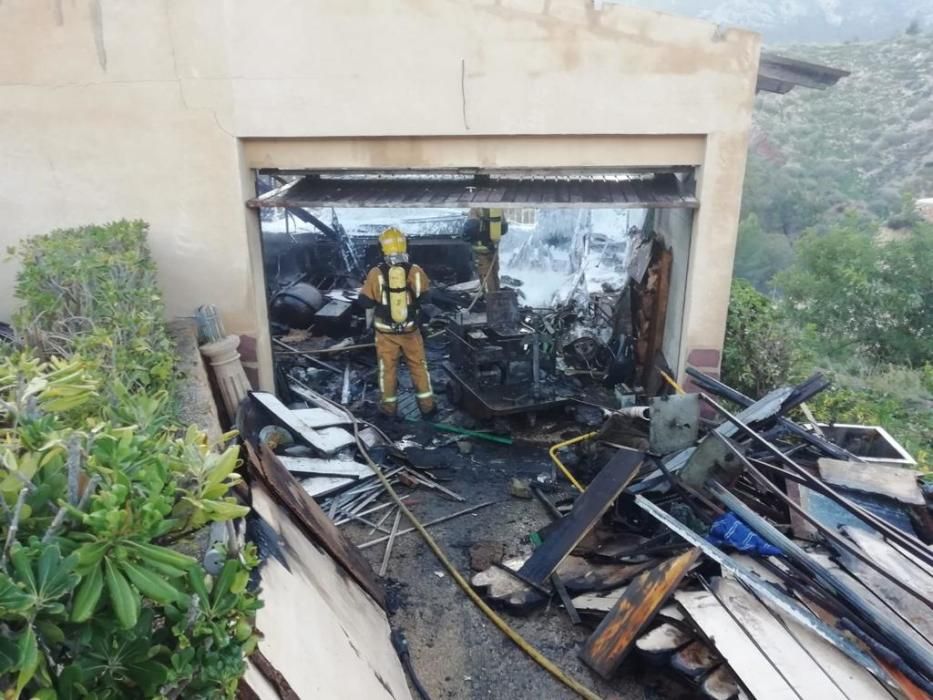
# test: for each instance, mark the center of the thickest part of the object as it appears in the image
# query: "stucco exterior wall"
(155, 109)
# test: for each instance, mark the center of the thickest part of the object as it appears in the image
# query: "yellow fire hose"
(670, 380)
(519, 641)
(560, 465)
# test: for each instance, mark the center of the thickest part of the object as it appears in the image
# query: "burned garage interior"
(576, 509)
(588, 301)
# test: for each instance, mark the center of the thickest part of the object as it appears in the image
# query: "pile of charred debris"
(753, 555)
(707, 532)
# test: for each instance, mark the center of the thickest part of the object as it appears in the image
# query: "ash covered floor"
(456, 649)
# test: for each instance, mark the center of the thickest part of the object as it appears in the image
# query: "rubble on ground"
(708, 534)
(745, 552)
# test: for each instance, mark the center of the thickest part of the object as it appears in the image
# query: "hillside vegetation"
(859, 146)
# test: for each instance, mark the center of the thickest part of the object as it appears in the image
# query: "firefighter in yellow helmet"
(485, 228)
(394, 288)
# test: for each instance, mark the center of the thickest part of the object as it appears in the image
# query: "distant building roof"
(780, 74)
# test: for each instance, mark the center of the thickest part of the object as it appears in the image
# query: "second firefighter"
(394, 289)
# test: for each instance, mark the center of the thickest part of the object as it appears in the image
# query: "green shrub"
(92, 292)
(761, 350)
(99, 492)
(865, 298)
(92, 602)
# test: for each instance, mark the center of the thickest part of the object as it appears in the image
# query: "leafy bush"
(761, 350)
(99, 492)
(865, 297)
(92, 291)
(93, 603)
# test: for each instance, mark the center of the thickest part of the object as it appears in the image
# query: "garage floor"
(457, 651)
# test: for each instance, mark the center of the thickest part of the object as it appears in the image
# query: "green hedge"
(92, 292)
(99, 490)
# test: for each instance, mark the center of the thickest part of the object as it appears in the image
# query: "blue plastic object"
(728, 530)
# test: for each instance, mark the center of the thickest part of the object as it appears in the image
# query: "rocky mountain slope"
(788, 21)
(861, 144)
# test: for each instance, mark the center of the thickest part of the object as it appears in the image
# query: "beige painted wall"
(139, 108)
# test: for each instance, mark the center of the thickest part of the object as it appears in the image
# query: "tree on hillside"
(761, 350)
(864, 296)
(782, 202)
(760, 255)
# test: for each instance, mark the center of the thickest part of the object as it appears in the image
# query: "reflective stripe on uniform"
(425, 395)
(382, 292)
(427, 373)
(389, 399)
(382, 374)
(386, 328)
(417, 284)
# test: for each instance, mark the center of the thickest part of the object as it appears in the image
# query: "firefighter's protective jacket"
(395, 291)
(485, 229)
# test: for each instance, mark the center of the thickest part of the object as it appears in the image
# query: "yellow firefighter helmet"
(393, 242)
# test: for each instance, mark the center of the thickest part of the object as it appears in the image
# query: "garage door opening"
(592, 271)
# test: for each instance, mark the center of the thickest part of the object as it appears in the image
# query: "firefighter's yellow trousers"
(389, 347)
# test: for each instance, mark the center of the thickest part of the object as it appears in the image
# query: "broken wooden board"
(659, 644)
(672, 612)
(894, 561)
(721, 684)
(319, 417)
(598, 602)
(322, 486)
(616, 634)
(333, 440)
(695, 660)
(311, 466)
(915, 611)
(310, 602)
(322, 477)
(878, 479)
(313, 521)
(581, 576)
(850, 677)
(796, 663)
(577, 574)
(588, 509)
(748, 663)
(500, 586)
(327, 443)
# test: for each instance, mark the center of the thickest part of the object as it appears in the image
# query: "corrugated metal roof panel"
(422, 190)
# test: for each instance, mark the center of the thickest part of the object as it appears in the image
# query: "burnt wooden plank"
(588, 509)
(880, 479)
(748, 662)
(312, 520)
(643, 597)
(695, 660)
(797, 662)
